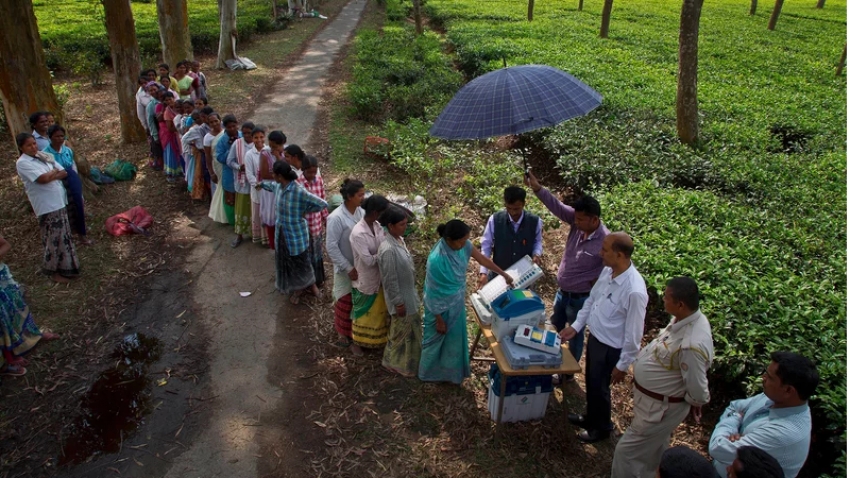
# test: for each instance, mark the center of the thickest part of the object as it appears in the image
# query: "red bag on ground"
(134, 221)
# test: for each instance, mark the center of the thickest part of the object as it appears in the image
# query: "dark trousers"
(564, 311)
(599, 363)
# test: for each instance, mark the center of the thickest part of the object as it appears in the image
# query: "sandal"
(12, 370)
(19, 361)
(236, 242)
(342, 343)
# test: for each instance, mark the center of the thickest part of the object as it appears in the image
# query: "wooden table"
(568, 365)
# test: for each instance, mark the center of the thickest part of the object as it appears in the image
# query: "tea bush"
(74, 28)
(398, 74)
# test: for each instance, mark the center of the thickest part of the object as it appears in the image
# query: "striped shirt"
(292, 202)
(784, 433)
(315, 220)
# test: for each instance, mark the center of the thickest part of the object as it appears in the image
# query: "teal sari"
(445, 357)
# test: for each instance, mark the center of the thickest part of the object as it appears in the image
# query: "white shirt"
(252, 171)
(615, 313)
(340, 223)
(364, 246)
(208, 140)
(42, 141)
(142, 100)
(45, 198)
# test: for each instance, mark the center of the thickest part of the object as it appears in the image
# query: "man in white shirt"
(614, 313)
(142, 100)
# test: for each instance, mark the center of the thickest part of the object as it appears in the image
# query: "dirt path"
(254, 366)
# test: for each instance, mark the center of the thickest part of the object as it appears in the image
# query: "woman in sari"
(293, 272)
(185, 83)
(222, 150)
(42, 177)
(73, 184)
(211, 140)
(404, 341)
(236, 162)
(445, 347)
(169, 138)
(267, 202)
(18, 332)
(338, 244)
(369, 310)
(312, 182)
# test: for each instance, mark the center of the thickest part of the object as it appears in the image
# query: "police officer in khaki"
(670, 380)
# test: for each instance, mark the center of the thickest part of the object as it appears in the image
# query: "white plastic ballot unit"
(524, 273)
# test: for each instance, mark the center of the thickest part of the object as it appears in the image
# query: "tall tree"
(417, 16)
(580, 5)
(530, 10)
(687, 118)
(126, 63)
(774, 17)
(227, 33)
(841, 62)
(25, 83)
(173, 18)
(820, 3)
(606, 18)
(753, 5)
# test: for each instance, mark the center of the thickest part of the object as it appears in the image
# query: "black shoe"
(593, 436)
(576, 419)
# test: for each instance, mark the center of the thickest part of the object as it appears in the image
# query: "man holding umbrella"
(581, 263)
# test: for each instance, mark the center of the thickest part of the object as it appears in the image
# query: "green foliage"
(74, 29)
(398, 74)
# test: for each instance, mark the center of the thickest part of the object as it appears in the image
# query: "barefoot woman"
(42, 177)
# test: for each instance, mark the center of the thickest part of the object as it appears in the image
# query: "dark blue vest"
(510, 246)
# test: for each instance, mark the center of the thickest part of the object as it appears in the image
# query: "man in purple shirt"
(581, 264)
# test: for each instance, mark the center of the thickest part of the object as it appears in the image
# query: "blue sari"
(445, 357)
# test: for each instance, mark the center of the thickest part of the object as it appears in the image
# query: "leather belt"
(658, 396)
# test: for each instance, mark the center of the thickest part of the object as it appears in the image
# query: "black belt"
(574, 295)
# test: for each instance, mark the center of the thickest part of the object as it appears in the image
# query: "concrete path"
(294, 101)
(241, 330)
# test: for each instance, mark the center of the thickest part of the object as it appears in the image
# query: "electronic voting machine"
(524, 272)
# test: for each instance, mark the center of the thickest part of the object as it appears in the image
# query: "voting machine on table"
(505, 307)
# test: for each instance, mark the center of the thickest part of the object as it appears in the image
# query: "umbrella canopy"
(514, 100)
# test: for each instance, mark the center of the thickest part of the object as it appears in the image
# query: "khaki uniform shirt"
(676, 363)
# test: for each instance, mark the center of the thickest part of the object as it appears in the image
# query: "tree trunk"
(820, 3)
(530, 10)
(687, 118)
(775, 16)
(417, 16)
(841, 62)
(173, 17)
(121, 30)
(25, 83)
(606, 18)
(227, 34)
(753, 5)
(580, 5)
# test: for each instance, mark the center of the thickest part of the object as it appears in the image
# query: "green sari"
(445, 357)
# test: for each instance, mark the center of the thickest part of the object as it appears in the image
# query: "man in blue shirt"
(777, 421)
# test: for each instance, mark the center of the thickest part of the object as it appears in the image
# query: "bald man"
(614, 314)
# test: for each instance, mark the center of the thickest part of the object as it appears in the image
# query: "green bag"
(121, 170)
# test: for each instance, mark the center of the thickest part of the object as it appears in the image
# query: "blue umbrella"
(514, 100)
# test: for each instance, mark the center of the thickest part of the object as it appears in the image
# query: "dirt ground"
(251, 385)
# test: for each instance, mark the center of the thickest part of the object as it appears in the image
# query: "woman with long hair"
(312, 182)
(445, 346)
(73, 184)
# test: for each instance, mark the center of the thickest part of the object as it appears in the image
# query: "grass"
(72, 30)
